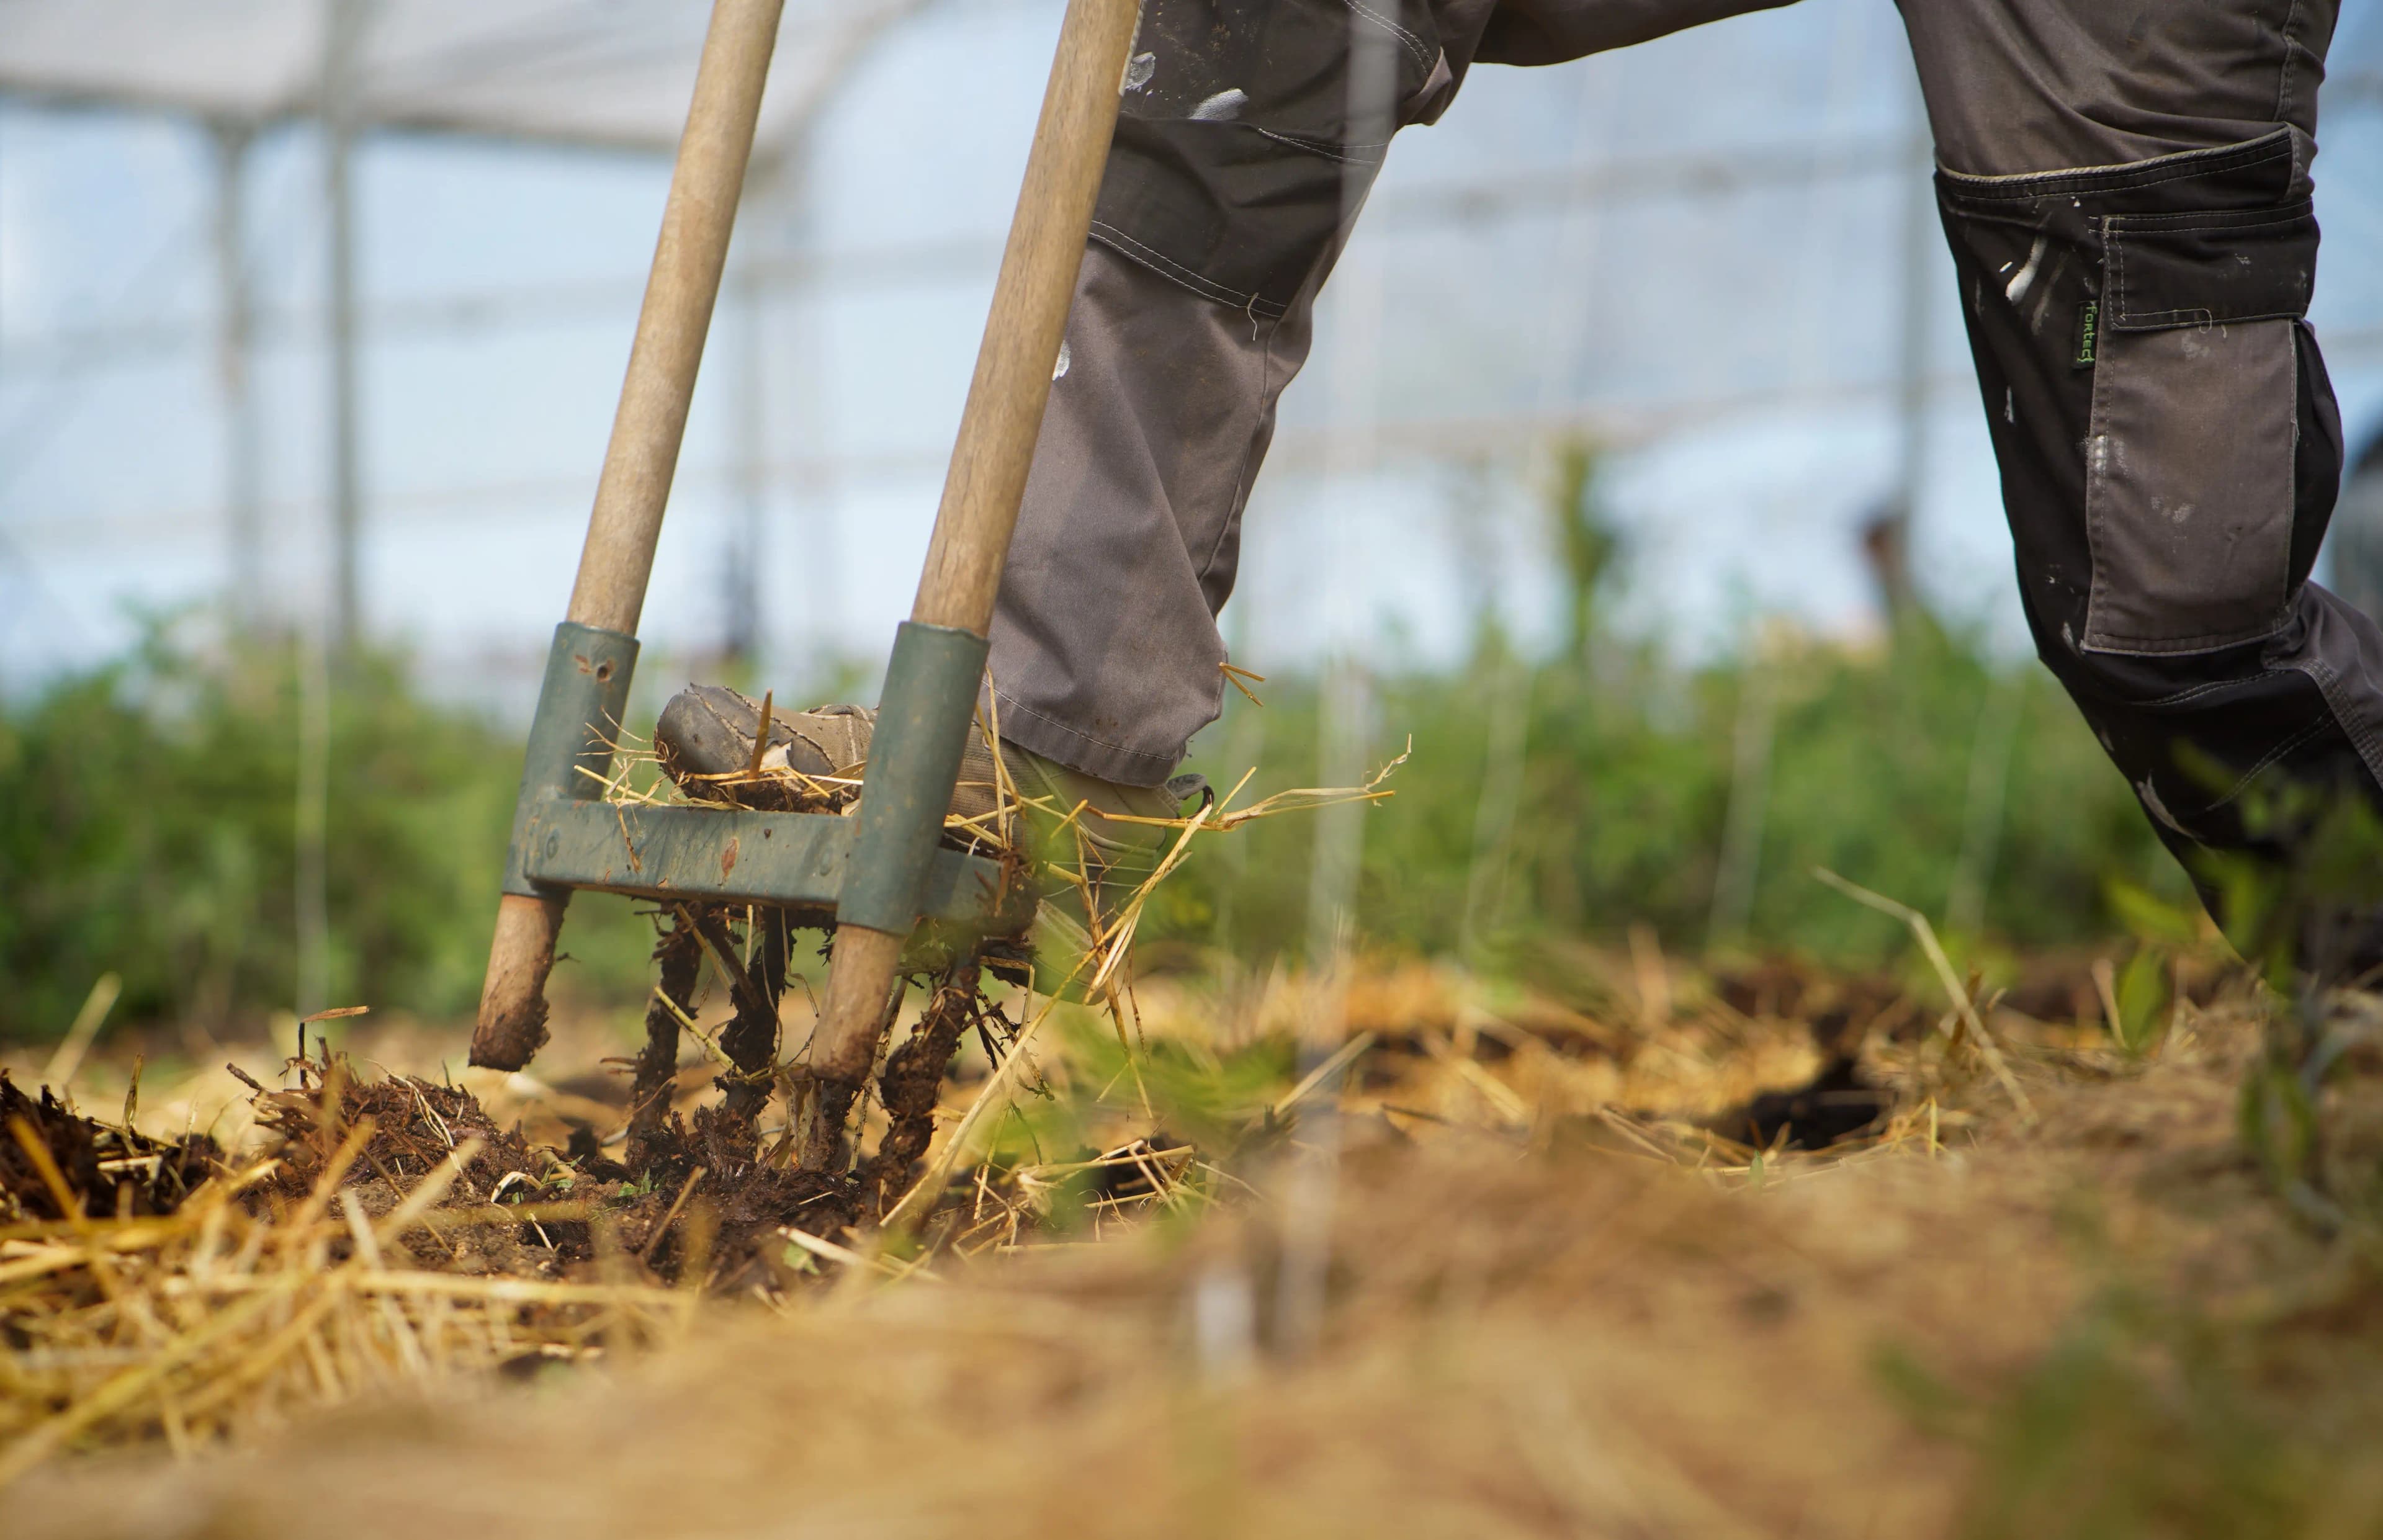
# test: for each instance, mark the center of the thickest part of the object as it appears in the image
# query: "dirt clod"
(913, 1080)
(106, 1171)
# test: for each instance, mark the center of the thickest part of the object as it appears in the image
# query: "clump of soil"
(106, 1172)
(745, 1194)
(706, 1194)
(415, 1125)
(734, 1192)
(703, 1193)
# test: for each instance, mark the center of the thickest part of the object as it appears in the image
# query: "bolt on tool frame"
(879, 874)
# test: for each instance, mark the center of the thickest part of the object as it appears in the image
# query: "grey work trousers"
(2125, 186)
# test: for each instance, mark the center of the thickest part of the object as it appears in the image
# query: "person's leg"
(1237, 161)
(1105, 652)
(1238, 166)
(2125, 185)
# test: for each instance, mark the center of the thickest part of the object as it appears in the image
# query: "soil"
(1835, 1106)
(1501, 1306)
(709, 1176)
(703, 1186)
(106, 1171)
(2100, 1323)
(696, 1189)
(913, 1082)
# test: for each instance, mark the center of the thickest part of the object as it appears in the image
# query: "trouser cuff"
(1081, 750)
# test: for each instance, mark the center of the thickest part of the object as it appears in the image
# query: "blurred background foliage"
(1622, 814)
(1611, 785)
(148, 825)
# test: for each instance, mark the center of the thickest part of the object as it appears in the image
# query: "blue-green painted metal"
(578, 721)
(800, 861)
(565, 837)
(923, 720)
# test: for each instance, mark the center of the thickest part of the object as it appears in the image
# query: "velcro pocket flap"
(2207, 268)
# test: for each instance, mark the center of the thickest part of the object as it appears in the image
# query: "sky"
(1740, 347)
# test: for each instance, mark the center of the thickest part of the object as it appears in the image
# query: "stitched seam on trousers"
(2096, 493)
(2114, 252)
(1079, 733)
(1413, 43)
(2177, 320)
(2115, 230)
(2218, 219)
(1328, 152)
(2126, 174)
(2119, 314)
(1241, 476)
(2304, 736)
(2363, 738)
(1168, 267)
(2284, 75)
(2170, 647)
(2186, 697)
(2133, 185)
(2126, 177)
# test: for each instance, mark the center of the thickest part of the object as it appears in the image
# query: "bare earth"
(1482, 1303)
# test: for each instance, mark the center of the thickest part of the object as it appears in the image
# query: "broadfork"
(879, 874)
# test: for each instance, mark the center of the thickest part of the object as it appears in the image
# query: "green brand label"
(2089, 325)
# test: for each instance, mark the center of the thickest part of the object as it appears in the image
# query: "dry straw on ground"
(1524, 1146)
(244, 1302)
(379, 1227)
(1579, 1274)
(1537, 1326)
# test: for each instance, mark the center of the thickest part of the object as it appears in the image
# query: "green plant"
(148, 826)
(1628, 769)
(147, 821)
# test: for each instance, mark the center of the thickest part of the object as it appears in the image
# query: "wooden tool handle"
(1003, 417)
(651, 420)
(512, 1025)
(999, 429)
(647, 430)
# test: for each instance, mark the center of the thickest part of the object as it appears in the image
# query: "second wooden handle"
(1004, 417)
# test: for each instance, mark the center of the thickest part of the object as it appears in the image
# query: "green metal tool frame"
(567, 837)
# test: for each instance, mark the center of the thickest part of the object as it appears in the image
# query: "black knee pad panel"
(2150, 387)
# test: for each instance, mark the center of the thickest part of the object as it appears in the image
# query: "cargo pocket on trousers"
(1238, 156)
(2189, 458)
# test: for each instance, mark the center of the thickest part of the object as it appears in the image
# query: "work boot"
(704, 740)
(813, 761)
